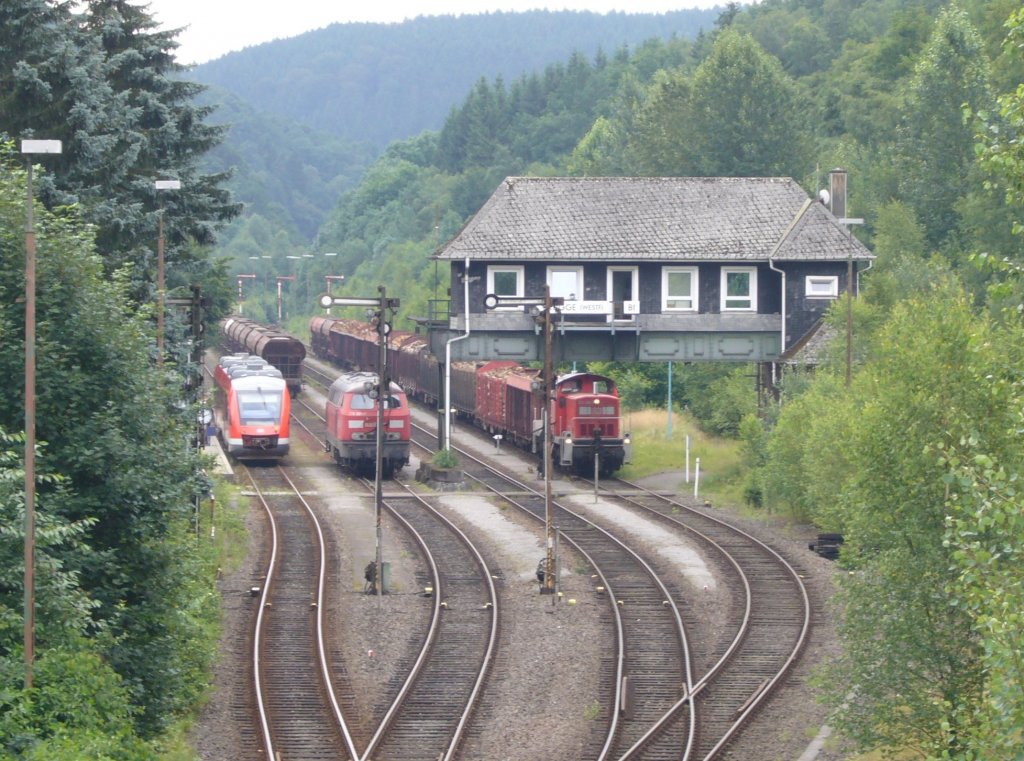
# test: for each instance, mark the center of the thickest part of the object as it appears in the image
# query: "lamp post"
(30, 148)
(160, 295)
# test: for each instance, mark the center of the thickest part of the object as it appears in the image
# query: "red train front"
(252, 407)
(586, 421)
(499, 396)
(352, 414)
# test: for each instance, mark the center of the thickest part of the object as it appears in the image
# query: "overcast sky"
(216, 27)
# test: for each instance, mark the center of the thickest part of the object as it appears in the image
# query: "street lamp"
(30, 148)
(161, 185)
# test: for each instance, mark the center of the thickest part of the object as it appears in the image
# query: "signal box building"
(648, 269)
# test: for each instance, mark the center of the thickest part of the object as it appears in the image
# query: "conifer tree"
(105, 82)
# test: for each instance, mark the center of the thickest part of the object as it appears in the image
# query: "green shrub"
(446, 459)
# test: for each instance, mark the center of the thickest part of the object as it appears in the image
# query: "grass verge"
(656, 449)
(222, 542)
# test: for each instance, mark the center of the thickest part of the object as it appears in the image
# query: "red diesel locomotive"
(497, 396)
(252, 407)
(352, 417)
(587, 423)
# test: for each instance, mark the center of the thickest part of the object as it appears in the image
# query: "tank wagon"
(252, 408)
(499, 397)
(281, 350)
(352, 417)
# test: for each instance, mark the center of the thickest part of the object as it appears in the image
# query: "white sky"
(216, 27)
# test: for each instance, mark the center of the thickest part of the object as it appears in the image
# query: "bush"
(446, 459)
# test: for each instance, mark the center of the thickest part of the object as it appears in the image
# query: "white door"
(622, 288)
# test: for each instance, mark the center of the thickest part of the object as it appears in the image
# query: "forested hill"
(382, 82)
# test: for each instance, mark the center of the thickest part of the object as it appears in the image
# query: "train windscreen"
(364, 402)
(256, 407)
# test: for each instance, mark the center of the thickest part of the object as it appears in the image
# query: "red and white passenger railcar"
(352, 417)
(252, 407)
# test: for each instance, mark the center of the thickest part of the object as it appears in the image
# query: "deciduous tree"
(740, 115)
(119, 443)
(935, 144)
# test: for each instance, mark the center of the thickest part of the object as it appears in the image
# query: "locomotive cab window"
(364, 402)
(361, 402)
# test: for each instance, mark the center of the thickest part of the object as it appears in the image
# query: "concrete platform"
(222, 466)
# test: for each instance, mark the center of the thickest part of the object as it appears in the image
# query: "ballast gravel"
(542, 695)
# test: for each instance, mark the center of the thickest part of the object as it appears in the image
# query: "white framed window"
(739, 289)
(506, 280)
(821, 286)
(679, 289)
(566, 282)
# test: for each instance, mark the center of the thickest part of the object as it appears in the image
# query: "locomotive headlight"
(625, 439)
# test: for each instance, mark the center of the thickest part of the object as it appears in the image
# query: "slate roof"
(652, 219)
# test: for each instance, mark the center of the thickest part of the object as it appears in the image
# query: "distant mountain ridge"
(377, 83)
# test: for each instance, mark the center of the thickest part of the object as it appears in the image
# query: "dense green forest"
(916, 460)
(305, 117)
(377, 83)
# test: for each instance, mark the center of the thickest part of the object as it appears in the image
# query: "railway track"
(770, 626)
(434, 706)
(433, 703)
(650, 671)
(299, 714)
(656, 707)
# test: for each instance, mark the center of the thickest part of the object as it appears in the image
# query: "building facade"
(646, 269)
